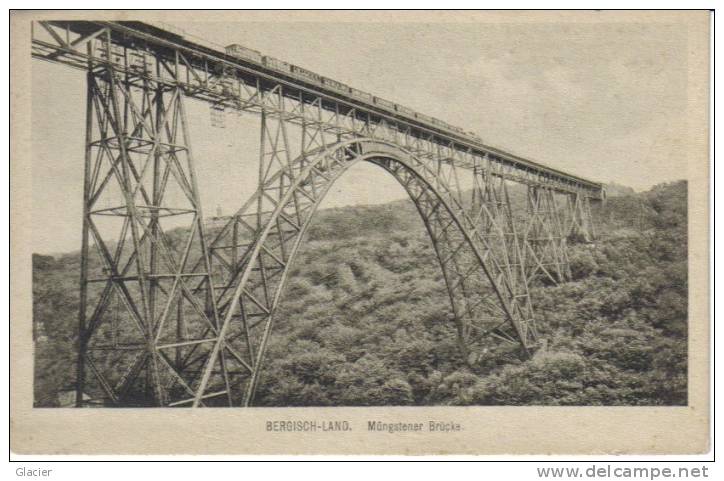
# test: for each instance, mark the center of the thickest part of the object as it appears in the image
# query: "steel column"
(544, 240)
(139, 175)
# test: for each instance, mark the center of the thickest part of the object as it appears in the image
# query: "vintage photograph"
(389, 232)
(232, 215)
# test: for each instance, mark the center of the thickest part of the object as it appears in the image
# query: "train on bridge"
(228, 76)
(298, 73)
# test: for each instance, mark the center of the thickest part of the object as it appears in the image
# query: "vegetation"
(366, 318)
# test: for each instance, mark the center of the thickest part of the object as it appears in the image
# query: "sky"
(603, 101)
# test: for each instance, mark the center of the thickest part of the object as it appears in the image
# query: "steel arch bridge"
(182, 317)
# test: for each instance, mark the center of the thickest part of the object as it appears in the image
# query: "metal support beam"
(545, 242)
(578, 219)
(136, 276)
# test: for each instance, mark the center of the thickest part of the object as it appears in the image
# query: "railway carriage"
(276, 64)
(307, 75)
(406, 111)
(336, 86)
(360, 95)
(384, 103)
(239, 51)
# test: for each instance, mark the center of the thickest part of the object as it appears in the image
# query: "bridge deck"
(205, 70)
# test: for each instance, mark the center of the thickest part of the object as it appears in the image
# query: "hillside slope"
(366, 317)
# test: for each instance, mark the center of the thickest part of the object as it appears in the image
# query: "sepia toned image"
(415, 214)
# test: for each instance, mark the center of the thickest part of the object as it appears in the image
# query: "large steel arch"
(167, 318)
(253, 254)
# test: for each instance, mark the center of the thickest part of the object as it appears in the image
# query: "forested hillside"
(366, 317)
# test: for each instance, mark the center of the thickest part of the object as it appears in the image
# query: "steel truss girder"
(207, 74)
(139, 175)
